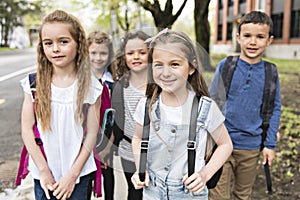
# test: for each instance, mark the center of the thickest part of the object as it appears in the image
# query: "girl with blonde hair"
(64, 84)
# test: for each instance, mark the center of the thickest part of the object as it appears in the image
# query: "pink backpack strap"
(24, 158)
(98, 179)
(22, 172)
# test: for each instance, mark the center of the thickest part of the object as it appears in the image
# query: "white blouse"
(62, 144)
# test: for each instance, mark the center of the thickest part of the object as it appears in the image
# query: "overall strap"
(145, 142)
(227, 72)
(198, 115)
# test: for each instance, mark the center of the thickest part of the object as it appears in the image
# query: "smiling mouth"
(167, 82)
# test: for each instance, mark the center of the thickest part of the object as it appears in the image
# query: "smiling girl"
(173, 85)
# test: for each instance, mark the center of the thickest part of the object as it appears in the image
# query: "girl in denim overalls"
(174, 80)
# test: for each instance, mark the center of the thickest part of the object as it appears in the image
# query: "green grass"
(6, 48)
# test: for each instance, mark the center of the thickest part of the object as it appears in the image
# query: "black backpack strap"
(227, 72)
(191, 145)
(199, 114)
(144, 142)
(269, 96)
(117, 99)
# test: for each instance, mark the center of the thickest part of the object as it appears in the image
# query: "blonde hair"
(45, 69)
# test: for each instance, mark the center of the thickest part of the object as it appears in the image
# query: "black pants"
(129, 169)
(108, 182)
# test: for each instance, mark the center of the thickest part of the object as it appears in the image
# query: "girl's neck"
(174, 100)
(63, 77)
(99, 73)
(139, 80)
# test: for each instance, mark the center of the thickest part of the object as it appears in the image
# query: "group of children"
(75, 70)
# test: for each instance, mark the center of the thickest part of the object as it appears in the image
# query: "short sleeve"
(26, 86)
(95, 91)
(140, 111)
(215, 117)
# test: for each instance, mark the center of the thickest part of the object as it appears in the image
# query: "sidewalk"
(25, 190)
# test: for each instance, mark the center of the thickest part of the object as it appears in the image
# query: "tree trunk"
(202, 29)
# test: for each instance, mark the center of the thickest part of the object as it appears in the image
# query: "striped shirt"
(131, 99)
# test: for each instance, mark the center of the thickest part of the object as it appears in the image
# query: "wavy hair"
(45, 68)
(122, 67)
(196, 81)
(99, 37)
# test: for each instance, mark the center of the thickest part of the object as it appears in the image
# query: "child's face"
(59, 46)
(253, 39)
(99, 55)
(136, 55)
(171, 68)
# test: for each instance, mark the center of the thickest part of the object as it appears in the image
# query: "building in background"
(284, 13)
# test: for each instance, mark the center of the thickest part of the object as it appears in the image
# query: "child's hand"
(135, 179)
(268, 156)
(64, 187)
(196, 182)
(47, 181)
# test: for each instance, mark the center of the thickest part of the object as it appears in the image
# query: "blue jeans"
(82, 190)
(160, 190)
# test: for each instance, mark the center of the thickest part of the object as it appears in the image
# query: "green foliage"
(12, 12)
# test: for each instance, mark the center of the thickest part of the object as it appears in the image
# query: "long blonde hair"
(45, 69)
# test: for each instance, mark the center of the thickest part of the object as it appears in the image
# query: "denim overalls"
(167, 160)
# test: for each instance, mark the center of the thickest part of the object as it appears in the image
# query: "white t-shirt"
(62, 144)
(181, 116)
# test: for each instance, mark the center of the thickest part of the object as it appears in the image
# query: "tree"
(12, 13)
(162, 18)
(202, 28)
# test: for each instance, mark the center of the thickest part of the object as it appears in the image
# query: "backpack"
(199, 112)
(106, 119)
(271, 75)
(117, 99)
(106, 122)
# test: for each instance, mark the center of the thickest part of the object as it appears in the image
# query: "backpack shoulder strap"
(199, 114)
(269, 91)
(32, 83)
(144, 142)
(117, 99)
(268, 97)
(228, 70)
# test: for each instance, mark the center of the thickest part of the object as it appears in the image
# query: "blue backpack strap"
(32, 83)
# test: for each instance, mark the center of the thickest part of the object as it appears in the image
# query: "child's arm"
(65, 186)
(136, 140)
(27, 123)
(197, 181)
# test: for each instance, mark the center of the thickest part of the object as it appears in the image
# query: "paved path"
(25, 190)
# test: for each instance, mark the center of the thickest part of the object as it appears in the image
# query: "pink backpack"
(23, 163)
